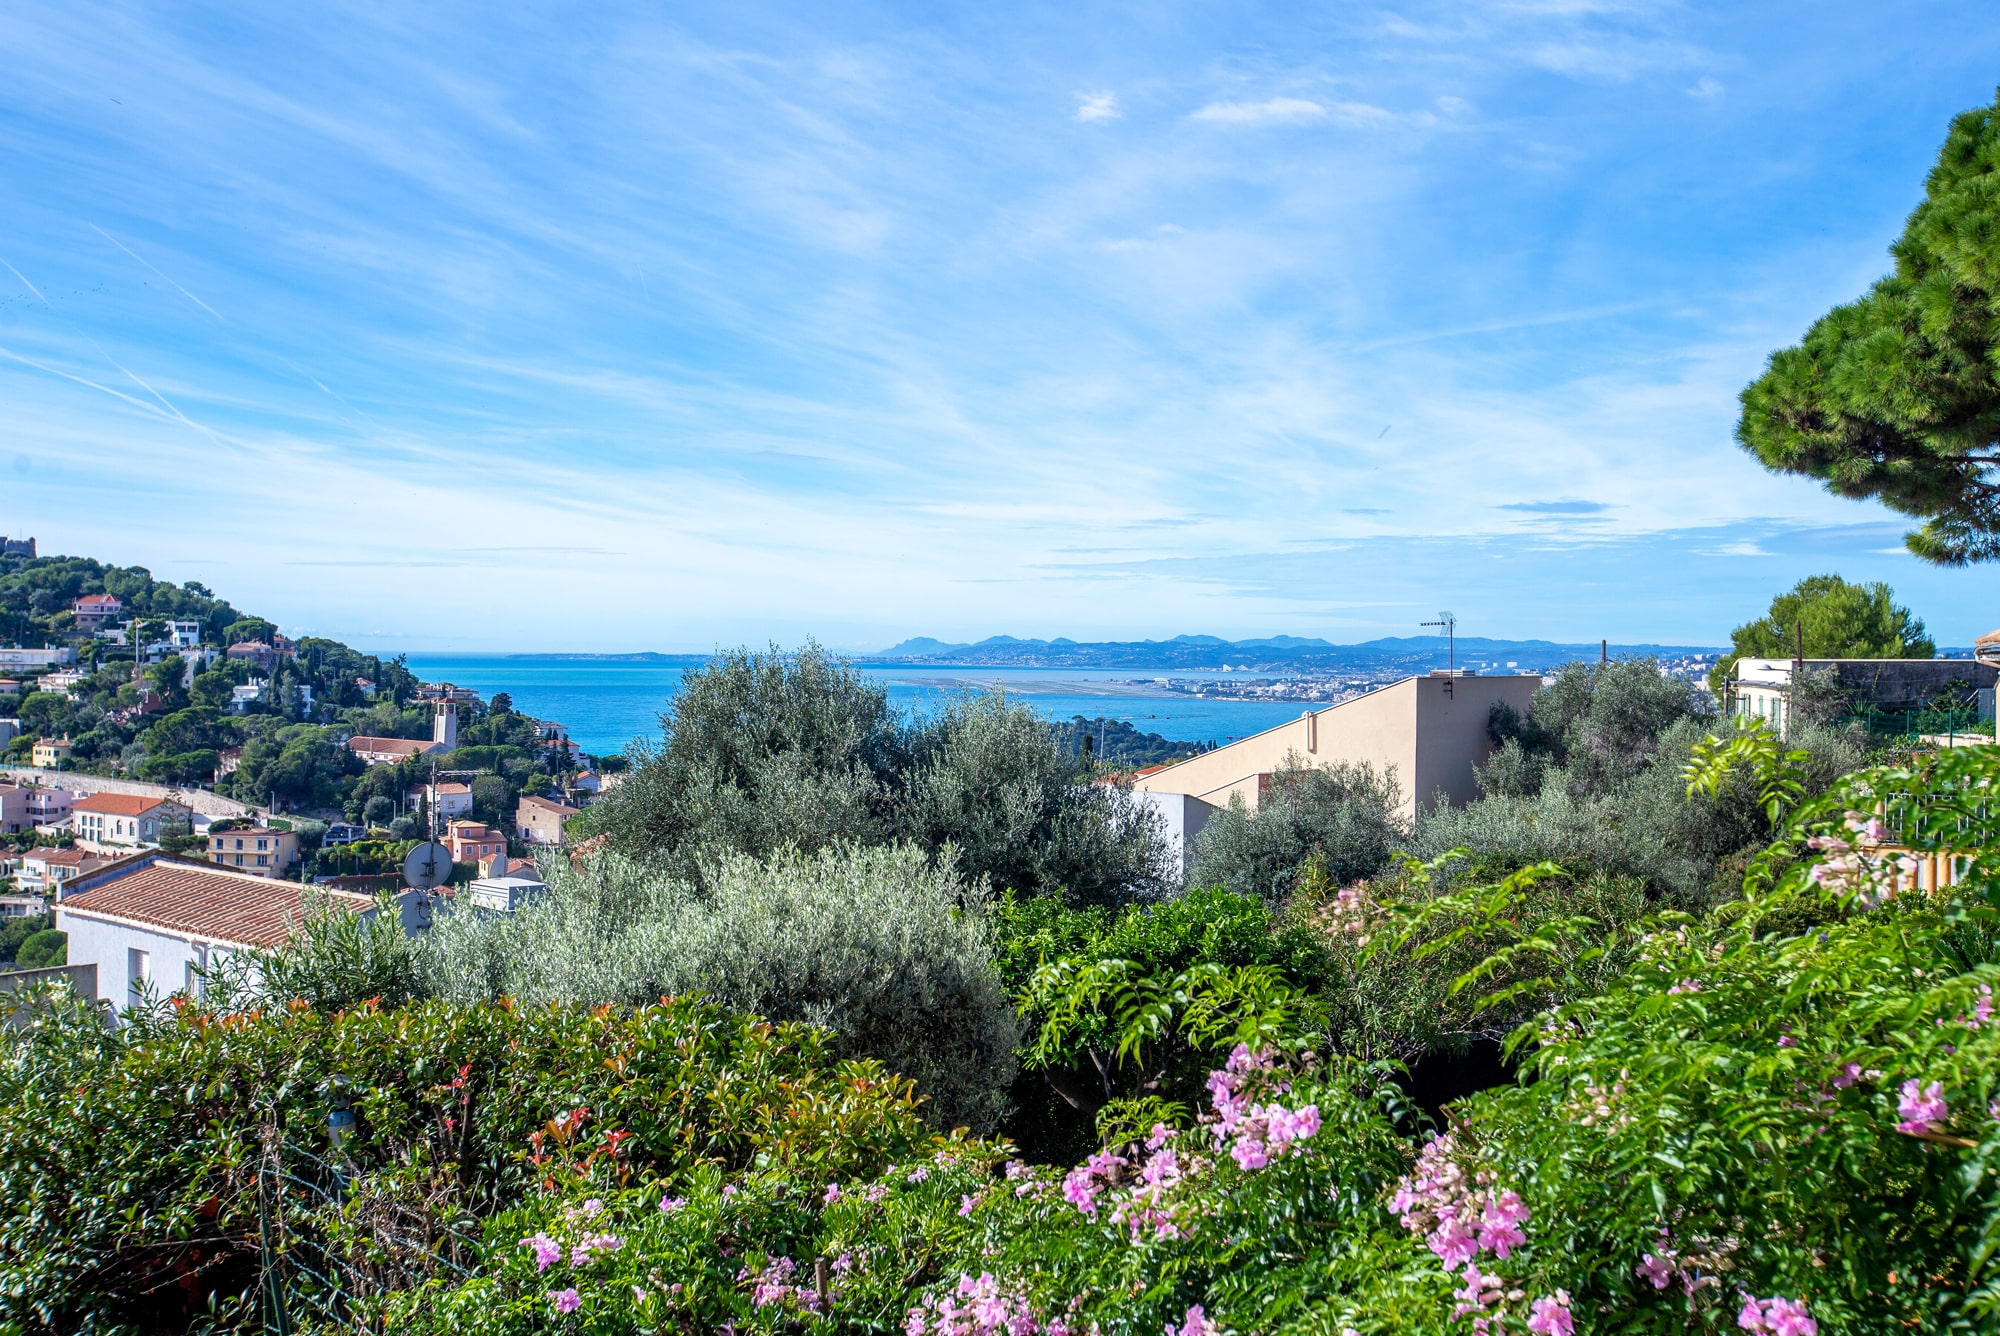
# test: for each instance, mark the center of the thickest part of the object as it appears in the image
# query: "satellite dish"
(428, 865)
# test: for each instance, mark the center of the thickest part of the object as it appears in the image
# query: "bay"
(606, 703)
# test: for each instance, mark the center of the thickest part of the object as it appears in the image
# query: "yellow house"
(1429, 732)
(51, 752)
(260, 850)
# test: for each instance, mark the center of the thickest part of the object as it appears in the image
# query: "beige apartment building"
(1429, 732)
(258, 850)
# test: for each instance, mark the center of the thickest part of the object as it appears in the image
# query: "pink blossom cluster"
(1258, 1133)
(548, 1252)
(1923, 1109)
(1549, 1316)
(579, 1255)
(1664, 1266)
(980, 1308)
(1874, 879)
(1459, 1218)
(566, 1301)
(1462, 1216)
(1777, 1317)
(774, 1285)
(1082, 1184)
(1149, 1207)
(1194, 1323)
(1685, 986)
(1352, 912)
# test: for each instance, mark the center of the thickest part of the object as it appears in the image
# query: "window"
(263, 860)
(138, 971)
(239, 860)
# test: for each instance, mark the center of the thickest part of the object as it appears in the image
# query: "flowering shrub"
(1776, 1119)
(131, 1161)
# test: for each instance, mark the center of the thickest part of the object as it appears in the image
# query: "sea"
(608, 703)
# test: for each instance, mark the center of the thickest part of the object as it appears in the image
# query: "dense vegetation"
(1772, 1115)
(764, 751)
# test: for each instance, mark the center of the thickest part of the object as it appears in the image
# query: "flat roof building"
(1428, 733)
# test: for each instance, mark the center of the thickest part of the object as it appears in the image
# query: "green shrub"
(1344, 815)
(888, 948)
(762, 752)
(988, 777)
(42, 950)
(129, 1162)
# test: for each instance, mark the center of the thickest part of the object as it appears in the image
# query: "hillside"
(153, 693)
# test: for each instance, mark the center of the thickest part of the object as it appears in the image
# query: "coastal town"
(137, 716)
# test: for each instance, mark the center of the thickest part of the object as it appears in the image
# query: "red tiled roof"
(98, 600)
(118, 804)
(388, 746)
(64, 857)
(560, 809)
(200, 900)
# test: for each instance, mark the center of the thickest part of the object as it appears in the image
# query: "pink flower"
(1659, 1270)
(832, 1193)
(1196, 1323)
(730, 1190)
(566, 1301)
(1454, 1244)
(1161, 1134)
(917, 1175)
(1787, 1317)
(1079, 1190)
(547, 1251)
(1249, 1153)
(1499, 1224)
(1923, 1109)
(1849, 1074)
(965, 1204)
(1777, 1317)
(1786, 1041)
(1549, 1316)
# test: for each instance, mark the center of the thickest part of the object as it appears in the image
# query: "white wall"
(93, 941)
(1182, 816)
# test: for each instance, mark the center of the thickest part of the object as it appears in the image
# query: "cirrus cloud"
(1102, 106)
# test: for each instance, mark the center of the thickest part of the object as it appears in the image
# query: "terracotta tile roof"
(65, 857)
(560, 809)
(118, 804)
(97, 600)
(387, 746)
(199, 899)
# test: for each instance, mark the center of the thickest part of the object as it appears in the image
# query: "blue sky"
(598, 328)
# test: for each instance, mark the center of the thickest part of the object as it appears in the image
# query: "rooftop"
(119, 804)
(199, 900)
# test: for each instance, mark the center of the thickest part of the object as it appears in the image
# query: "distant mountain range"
(1272, 653)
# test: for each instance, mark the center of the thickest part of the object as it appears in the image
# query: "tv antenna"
(1450, 625)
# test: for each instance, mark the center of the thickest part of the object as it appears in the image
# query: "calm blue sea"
(606, 703)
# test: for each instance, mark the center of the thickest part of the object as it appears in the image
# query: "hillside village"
(137, 714)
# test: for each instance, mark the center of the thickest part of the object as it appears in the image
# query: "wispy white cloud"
(1101, 106)
(1706, 87)
(1276, 110)
(812, 321)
